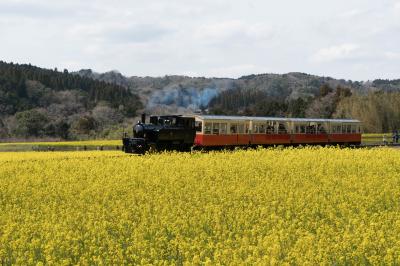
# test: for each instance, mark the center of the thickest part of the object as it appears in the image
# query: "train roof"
(166, 116)
(255, 118)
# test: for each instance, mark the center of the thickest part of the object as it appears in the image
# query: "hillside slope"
(37, 102)
(292, 94)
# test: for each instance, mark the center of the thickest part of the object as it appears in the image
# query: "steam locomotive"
(182, 133)
(171, 132)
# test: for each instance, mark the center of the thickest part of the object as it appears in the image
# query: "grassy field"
(62, 145)
(376, 138)
(269, 206)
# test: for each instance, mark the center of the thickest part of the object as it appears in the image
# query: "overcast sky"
(350, 39)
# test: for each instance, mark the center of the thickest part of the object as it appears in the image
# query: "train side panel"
(345, 138)
(309, 138)
(215, 140)
(270, 139)
(241, 139)
(274, 139)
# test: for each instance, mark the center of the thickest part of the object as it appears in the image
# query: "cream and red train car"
(223, 131)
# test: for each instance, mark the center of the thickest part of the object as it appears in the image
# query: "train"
(204, 132)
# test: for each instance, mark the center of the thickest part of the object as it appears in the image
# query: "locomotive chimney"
(143, 118)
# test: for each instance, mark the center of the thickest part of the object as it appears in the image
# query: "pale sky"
(349, 39)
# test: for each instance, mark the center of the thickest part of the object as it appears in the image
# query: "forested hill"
(37, 102)
(289, 95)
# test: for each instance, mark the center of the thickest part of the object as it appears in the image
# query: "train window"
(247, 127)
(223, 127)
(338, 129)
(233, 129)
(353, 128)
(153, 120)
(297, 130)
(169, 122)
(321, 129)
(207, 128)
(270, 128)
(261, 129)
(348, 128)
(240, 129)
(199, 126)
(215, 128)
(180, 122)
(255, 128)
(281, 129)
(311, 129)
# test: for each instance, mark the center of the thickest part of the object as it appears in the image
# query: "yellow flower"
(302, 206)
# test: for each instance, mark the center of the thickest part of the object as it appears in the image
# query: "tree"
(21, 89)
(322, 107)
(3, 129)
(324, 90)
(30, 123)
(379, 112)
(342, 92)
(297, 108)
(84, 125)
(106, 115)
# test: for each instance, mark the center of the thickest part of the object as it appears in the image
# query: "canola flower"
(267, 206)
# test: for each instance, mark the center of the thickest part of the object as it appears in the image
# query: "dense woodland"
(43, 103)
(261, 103)
(37, 103)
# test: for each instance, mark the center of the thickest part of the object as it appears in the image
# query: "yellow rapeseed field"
(268, 206)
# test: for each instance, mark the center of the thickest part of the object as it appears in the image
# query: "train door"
(200, 131)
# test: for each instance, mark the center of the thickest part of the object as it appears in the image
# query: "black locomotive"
(172, 132)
